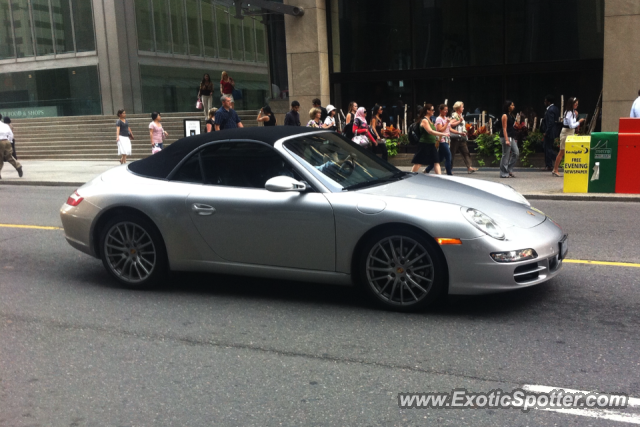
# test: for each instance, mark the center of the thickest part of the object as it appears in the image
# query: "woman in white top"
(330, 121)
(569, 126)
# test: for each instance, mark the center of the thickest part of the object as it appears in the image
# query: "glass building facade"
(479, 52)
(45, 27)
(201, 30)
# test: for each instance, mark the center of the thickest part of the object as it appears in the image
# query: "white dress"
(124, 146)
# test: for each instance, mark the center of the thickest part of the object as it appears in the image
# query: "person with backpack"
(428, 143)
(459, 136)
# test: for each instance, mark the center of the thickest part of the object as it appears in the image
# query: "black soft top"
(161, 164)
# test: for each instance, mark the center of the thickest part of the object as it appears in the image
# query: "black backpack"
(413, 133)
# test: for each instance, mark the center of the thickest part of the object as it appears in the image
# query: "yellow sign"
(576, 164)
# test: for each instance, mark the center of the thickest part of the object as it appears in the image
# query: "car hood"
(501, 202)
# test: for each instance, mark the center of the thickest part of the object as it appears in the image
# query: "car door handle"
(201, 209)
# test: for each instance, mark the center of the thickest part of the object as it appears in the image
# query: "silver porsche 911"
(308, 205)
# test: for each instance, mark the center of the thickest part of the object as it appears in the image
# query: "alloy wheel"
(400, 271)
(130, 252)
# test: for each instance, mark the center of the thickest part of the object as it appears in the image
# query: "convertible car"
(307, 205)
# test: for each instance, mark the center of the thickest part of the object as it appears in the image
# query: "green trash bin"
(602, 162)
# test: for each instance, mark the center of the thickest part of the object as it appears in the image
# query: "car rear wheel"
(133, 252)
(402, 270)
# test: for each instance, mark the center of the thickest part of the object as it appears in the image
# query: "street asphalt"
(78, 350)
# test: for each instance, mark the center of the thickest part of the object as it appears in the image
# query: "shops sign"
(29, 112)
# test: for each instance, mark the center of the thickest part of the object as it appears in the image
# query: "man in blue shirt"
(226, 117)
(635, 109)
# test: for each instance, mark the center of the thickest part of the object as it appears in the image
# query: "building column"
(621, 60)
(117, 48)
(307, 55)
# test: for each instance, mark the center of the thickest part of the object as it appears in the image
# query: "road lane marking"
(603, 414)
(33, 227)
(615, 264)
(570, 261)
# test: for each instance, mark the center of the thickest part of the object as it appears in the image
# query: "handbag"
(155, 149)
(236, 94)
(199, 105)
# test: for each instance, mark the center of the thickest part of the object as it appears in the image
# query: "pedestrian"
(428, 146)
(443, 124)
(635, 109)
(330, 121)
(569, 126)
(316, 104)
(293, 116)
(315, 122)
(123, 136)
(156, 132)
(459, 137)
(510, 150)
(7, 121)
(227, 84)
(6, 151)
(226, 117)
(551, 116)
(376, 128)
(362, 134)
(266, 116)
(347, 132)
(211, 121)
(205, 93)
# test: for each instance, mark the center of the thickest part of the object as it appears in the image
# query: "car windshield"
(340, 164)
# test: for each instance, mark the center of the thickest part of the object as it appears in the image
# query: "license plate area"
(563, 247)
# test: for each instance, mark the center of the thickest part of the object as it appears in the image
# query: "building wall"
(621, 60)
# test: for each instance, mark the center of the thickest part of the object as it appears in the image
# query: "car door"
(244, 223)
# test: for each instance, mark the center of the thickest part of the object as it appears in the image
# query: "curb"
(584, 197)
(43, 183)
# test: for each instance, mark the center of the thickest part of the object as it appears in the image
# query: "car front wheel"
(133, 252)
(402, 270)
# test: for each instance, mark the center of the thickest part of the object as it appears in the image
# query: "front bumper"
(473, 271)
(77, 222)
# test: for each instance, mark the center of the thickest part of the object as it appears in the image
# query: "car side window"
(243, 164)
(189, 171)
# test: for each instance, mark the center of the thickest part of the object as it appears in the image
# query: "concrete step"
(104, 127)
(146, 116)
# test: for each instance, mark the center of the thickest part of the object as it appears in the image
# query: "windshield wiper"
(396, 176)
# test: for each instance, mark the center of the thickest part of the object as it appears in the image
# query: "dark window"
(457, 34)
(144, 24)
(83, 25)
(375, 35)
(242, 164)
(189, 171)
(62, 27)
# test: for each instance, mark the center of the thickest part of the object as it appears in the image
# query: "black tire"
(406, 282)
(133, 251)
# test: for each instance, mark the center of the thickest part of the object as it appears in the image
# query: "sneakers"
(19, 171)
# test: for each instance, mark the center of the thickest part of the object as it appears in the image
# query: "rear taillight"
(74, 199)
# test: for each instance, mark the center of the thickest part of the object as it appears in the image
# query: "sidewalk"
(532, 183)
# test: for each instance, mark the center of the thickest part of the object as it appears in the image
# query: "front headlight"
(483, 222)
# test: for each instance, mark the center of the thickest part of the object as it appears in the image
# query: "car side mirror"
(280, 184)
